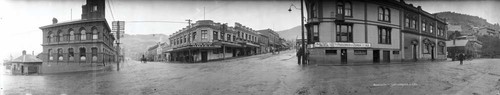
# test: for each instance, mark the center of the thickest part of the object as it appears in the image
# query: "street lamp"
(302, 26)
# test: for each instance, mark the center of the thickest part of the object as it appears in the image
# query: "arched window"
(348, 9)
(49, 54)
(83, 35)
(60, 36)
(60, 54)
(380, 13)
(340, 7)
(71, 54)
(83, 54)
(49, 37)
(71, 35)
(94, 53)
(387, 14)
(95, 34)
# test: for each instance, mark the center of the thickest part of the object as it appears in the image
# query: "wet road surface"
(268, 74)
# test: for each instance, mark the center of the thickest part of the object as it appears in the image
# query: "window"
(331, 52)
(441, 50)
(71, 54)
(94, 54)
(50, 37)
(344, 33)
(407, 22)
(360, 52)
(60, 36)
(234, 38)
(216, 35)
(188, 37)
(395, 52)
(83, 35)
(228, 37)
(315, 33)
(344, 8)
(59, 54)
(94, 8)
(423, 27)
(185, 38)
(95, 34)
(49, 54)
(194, 35)
(426, 48)
(204, 34)
(431, 28)
(71, 35)
(222, 36)
(83, 54)
(314, 12)
(384, 14)
(413, 24)
(384, 35)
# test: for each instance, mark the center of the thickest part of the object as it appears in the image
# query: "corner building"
(80, 45)
(368, 31)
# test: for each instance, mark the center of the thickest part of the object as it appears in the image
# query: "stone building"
(25, 64)
(361, 31)
(79, 45)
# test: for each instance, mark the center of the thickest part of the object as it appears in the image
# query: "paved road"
(268, 74)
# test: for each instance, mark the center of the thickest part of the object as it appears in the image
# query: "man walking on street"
(461, 57)
(299, 55)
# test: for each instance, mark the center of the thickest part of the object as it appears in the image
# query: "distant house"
(26, 64)
(464, 45)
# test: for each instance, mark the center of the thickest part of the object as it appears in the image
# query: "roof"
(457, 43)
(74, 22)
(26, 58)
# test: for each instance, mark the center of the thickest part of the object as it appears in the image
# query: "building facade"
(80, 45)
(206, 40)
(360, 31)
(273, 39)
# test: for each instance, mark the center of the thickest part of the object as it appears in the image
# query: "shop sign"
(331, 44)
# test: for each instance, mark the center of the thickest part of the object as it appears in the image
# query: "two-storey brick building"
(79, 45)
(360, 31)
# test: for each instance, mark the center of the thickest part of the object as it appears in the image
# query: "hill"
(466, 21)
(136, 45)
(290, 34)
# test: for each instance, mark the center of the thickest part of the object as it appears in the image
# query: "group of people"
(303, 55)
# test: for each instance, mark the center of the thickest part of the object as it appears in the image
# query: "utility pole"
(118, 45)
(302, 27)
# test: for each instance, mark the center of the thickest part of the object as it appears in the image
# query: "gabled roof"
(457, 43)
(26, 58)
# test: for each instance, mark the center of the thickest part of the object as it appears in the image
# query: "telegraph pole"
(118, 45)
(302, 27)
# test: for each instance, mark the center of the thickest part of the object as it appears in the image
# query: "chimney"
(24, 52)
(54, 20)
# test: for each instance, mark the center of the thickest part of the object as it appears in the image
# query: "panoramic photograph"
(250, 47)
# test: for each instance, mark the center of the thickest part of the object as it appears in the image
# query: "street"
(268, 74)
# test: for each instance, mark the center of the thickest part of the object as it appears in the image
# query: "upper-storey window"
(228, 37)
(344, 33)
(71, 35)
(315, 33)
(60, 36)
(384, 14)
(222, 36)
(413, 24)
(424, 29)
(94, 8)
(407, 22)
(95, 34)
(83, 35)
(50, 37)
(194, 35)
(431, 28)
(344, 7)
(384, 34)
(204, 34)
(314, 11)
(216, 35)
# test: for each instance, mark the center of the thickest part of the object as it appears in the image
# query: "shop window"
(360, 52)
(384, 35)
(331, 52)
(344, 33)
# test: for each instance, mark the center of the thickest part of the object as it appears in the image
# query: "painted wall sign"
(334, 44)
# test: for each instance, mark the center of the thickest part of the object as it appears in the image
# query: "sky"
(20, 19)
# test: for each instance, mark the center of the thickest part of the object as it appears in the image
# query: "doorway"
(387, 56)
(343, 56)
(415, 52)
(204, 56)
(376, 56)
(22, 69)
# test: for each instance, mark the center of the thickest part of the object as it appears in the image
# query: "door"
(432, 53)
(343, 56)
(204, 56)
(415, 52)
(376, 56)
(387, 56)
(22, 69)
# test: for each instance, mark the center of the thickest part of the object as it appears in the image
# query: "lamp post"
(302, 27)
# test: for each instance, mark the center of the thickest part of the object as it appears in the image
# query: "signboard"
(332, 44)
(114, 27)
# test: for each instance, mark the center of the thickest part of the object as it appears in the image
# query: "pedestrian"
(461, 57)
(306, 57)
(299, 55)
